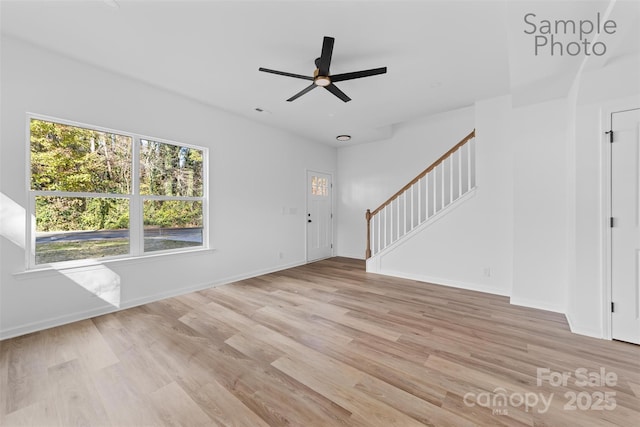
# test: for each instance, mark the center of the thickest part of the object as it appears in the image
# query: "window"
(171, 185)
(98, 193)
(319, 186)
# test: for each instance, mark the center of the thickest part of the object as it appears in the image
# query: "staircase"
(429, 194)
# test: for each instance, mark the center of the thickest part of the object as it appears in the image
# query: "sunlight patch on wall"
(97, 279)
(12, 221)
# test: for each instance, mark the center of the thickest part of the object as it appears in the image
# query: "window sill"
(95, 263)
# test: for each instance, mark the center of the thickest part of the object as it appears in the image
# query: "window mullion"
(135, 207)
(177, 198)
(79, 194)
(31, 231)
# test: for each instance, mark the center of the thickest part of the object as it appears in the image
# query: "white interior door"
(319, 216)
(625, 232)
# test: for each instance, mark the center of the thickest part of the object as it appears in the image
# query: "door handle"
(308, 220)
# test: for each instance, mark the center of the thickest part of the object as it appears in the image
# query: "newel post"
(368, 251)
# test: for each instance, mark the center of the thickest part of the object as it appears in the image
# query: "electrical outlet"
(487, 272)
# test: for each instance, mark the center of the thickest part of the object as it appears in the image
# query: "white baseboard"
(576, 329)
(55, 321)
(445, 282)
(106, 309)
(540, 305)
(359, 256)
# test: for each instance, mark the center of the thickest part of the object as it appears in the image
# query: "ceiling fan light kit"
(323, 81)
(322, 77)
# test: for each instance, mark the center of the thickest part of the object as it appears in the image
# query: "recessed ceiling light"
(343, 138)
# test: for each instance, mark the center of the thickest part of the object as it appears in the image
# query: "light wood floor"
(320, 345)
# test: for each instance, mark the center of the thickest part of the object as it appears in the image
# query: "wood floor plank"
(177, 408)
(224, 408)
(264, 352)
(121, 399)
(417, 408)
(324, 344)
(74, 395)
(342, 391)
(42, 414)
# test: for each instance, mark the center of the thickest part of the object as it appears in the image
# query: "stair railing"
(443, 182)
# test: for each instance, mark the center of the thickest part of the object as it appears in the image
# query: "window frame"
(136, 200)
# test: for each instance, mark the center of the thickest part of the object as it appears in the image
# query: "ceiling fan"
(322, 77)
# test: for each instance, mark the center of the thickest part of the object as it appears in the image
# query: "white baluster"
(472, 163)
(451, 195)
(426, 196)
(372, 224)
(397, 218)
(383, 220)
(459, 151)
(464, 154)
(420, 201)
(379, 233)
(443, 185)
(435, 190)
(404, 231)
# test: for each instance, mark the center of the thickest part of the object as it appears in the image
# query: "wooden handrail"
(426, 171)
(435, 164)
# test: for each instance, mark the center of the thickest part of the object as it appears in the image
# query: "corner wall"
(539, 134)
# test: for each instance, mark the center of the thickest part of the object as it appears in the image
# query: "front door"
(319, 216)
(625, 232)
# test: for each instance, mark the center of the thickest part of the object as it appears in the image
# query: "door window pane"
(171, 224)
(71, 228)
(319, 186)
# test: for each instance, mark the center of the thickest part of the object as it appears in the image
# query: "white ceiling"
(440, 55)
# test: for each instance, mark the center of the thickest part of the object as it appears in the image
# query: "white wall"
(255, 172)
(539, 134)
(369, 174)
(584, 309)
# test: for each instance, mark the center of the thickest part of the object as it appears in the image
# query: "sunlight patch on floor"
(97, 279)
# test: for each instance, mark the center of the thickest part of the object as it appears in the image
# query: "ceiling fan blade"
(302, 92)
(283, 73)
(337, 92)
(358, 74)
(325, 57)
